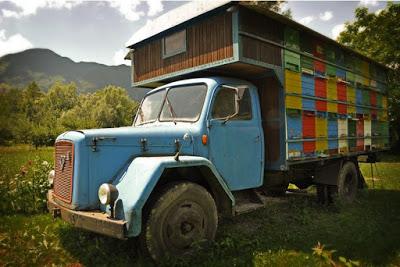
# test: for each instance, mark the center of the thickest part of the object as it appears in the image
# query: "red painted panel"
(342, 108)
(360, 144)
(372, 97)
(309, 146)
(360, 125)
(319, 66)
(341, 92)
(374, 114)
(321, 105)
(320, 87)
(308, 124)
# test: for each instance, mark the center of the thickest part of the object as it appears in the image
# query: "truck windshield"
(181, 103)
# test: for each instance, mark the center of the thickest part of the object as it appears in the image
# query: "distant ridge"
(45, 67)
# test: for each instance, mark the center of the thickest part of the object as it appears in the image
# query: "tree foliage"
(377, 35)
(31, 116)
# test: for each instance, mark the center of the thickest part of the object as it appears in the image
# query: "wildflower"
(45, 163)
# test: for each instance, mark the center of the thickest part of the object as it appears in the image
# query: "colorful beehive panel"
(307, 85)
(321, 147)
(292, 38)
(339, 58)
(321, 105)
(309, 148)
(330, 53)
(295, 149)
(366, 101)
(341, 74)
(372, 98)
(351, 109)
(332, 90)
(350, 77)
(294, 125)
(319, 50)
(379, 100)
(293, 82)
(332, 107)
(319, 67)
(351, 94)
(321, 127)
(308, 104)
(349, 62)
(307, 65)
(359, 96)
(308, 124)
(342, 133)
(384, 101)
(333, 134)
(292, 60)
(330, 70)
(360, 132)
(320, 87)
(293, 102)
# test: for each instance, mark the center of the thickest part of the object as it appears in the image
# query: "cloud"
(327, 15)
(27, 8)
(128, 9)
(336, 30)
(12, 44)
(155, 7)
(118, 57)
(306, 20)
(368, 3)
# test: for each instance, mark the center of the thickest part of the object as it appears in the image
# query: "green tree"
(377, 35)
(275, 6)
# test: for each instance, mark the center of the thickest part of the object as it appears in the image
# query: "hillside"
(45, 67)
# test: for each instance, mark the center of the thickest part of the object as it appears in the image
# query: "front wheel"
(184, 213)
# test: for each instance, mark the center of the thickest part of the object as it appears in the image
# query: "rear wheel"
(184, 213)
(348, 182)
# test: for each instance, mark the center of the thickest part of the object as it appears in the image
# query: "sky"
(98, 31)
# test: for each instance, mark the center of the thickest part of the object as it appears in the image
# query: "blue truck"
(218, 145)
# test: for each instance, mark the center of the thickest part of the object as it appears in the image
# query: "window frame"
(165, 55)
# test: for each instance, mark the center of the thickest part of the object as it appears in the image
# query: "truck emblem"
(63, 160)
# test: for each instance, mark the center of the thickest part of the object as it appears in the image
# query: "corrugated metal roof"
(173, 18)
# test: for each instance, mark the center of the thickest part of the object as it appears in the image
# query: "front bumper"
(95, 221)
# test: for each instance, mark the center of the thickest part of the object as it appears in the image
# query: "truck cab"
(198, 137)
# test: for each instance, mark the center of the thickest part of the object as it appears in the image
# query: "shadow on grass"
(367, 231)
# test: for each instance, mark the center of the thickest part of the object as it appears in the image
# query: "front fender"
(139, 178)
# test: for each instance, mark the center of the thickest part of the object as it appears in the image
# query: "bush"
(26, 191)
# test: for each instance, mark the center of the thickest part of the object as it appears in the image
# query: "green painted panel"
(307, 64)
(352, 128)
(330, 53)
(330, 70)
(365, 98)
(292, 60)
(350, 77)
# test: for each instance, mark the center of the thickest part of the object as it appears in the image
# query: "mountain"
(45, 67)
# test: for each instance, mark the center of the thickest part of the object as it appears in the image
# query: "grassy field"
(286, 233)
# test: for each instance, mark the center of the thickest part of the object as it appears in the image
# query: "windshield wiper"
(171, 109)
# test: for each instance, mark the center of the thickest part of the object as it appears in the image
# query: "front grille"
(64, 170)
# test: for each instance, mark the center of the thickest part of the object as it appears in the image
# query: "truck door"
(236, 142)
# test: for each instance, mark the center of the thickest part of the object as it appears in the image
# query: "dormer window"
(174, 44)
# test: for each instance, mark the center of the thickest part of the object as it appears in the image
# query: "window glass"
(224, 105)
(174, 44)
(150, 107)
(184, 103)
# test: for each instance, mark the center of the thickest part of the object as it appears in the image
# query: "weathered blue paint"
(117, 155)
(139, 178)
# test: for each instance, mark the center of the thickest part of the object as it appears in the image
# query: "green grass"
(282, 234)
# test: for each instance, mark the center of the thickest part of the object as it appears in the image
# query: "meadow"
(291, 231)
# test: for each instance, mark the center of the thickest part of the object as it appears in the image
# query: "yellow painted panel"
(332, 89)
(293, 102)
(321, 146)
(384, 101)
(321, 127)
(351, 94)
(332, 107)
(293, 82)
(351, 109)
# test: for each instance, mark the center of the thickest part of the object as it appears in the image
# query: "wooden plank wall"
(207, 41)
(261, 26)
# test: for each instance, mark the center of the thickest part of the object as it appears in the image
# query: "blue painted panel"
(308, 104)
(341, 73)
(332, 128)
(294, 127)
(359, 96)
(332, 144)
(359, 110)
(295, 149)
(307, 84)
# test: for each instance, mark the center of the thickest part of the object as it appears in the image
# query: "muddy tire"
(347, 182)
(181, 215)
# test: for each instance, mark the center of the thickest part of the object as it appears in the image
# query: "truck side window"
(224, 105)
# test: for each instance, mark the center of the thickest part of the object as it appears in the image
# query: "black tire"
(182, 214)
(347, 182)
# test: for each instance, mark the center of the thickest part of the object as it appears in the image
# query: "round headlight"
(50, 177)
(108, 193)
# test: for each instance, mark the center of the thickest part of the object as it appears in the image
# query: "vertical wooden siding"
(207, 41)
